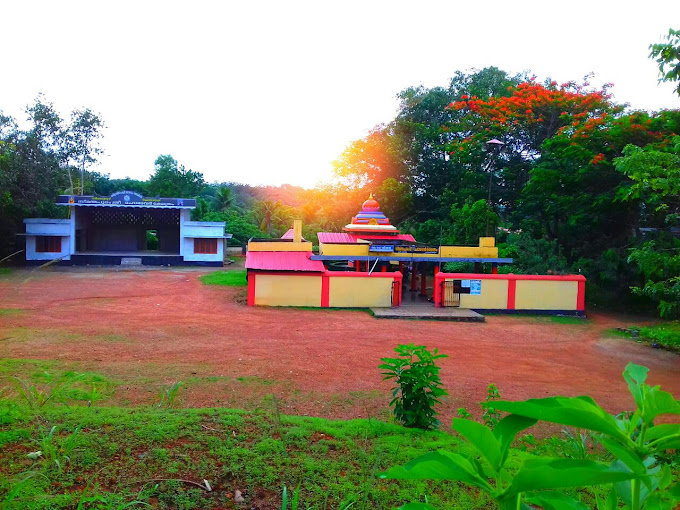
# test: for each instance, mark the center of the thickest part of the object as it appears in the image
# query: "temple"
(125, 228)
(371, 264)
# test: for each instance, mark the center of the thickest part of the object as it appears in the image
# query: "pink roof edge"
(283, 261)
(346, 238)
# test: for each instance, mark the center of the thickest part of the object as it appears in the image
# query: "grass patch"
(5, 270)
(617, 332)
(10, 311)
(228, 278)
(116, 455)
(110, 457)
(564, 319)
(666, 335)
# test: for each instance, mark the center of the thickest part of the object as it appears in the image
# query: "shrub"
(636, 476)
(417, 385)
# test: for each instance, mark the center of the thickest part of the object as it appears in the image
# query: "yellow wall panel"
(359, 250)
(545, 295)
(360, 292)
(287, 290)
(468, 252)
(265, 246)
(494, 296)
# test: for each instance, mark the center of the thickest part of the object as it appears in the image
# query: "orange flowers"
(597, 159)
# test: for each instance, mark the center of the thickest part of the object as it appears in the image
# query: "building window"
(48, 244)
(207, 246)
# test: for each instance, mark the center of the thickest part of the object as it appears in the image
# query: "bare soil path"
(143, 329)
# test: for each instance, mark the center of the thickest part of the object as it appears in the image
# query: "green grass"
(116, 454)
(10, 311)
(666, 335)
(5, 270)
(228, 278)
(111, 456)
(563, 319)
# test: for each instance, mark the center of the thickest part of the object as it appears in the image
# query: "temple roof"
(371, 219)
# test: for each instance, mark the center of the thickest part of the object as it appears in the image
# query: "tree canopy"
(565, 179)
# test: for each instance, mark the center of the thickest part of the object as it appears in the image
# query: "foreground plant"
(417, 385)
(637, 479)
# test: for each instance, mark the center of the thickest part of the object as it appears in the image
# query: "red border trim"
(512, 291)
(325, 291)
(581, 296)
(338, 274)
(251, 288)
(511, 276)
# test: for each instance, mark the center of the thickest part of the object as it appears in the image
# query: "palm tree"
(269, 212)
(224, 198)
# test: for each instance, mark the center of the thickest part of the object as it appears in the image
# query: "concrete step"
(431, 313)
(131, 261)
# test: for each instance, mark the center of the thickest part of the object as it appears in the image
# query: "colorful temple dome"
(370, 219)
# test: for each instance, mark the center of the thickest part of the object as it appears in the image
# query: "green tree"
(224, 198)
(667, 56)
(81, 141)
(656, 183)
(173, 180)
(272, 215)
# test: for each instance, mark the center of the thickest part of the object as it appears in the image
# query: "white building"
(126, 228)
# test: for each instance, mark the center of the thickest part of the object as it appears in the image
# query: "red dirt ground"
(148, 328)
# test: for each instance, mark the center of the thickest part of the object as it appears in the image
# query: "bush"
(418, 386)
(665, 335)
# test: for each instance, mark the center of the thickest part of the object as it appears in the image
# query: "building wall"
(287, 290)
(189, 255)
(189, 230)
(468, 252)
(47, 226)
(350, 292)
(494, 296)
(31, 254)
(343, 249)
(279, 246)
(546, 295)
(328, 289)
(541, 293)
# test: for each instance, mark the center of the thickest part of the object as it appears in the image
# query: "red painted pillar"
(581, 296)
(436, 269)
(423, 283)
(357, 265)
(437, 290)
(494, 268)
(414, 275)
(512, 289)
(325, 291)
(401, 267)
(251, 288)
(383, 269)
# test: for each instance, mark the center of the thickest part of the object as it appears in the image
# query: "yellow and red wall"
(516, 293)
(334, 289)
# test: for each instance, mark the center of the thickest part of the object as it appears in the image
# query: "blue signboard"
(126, 199)
(475, 287)
(383, 248)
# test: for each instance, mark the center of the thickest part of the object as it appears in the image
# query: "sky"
(272, 92)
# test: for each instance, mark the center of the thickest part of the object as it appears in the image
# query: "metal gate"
(395, 295)
(451, 293)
